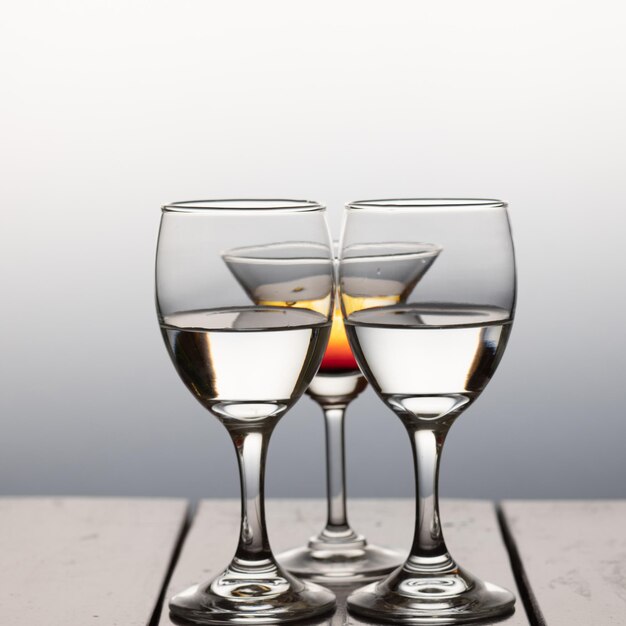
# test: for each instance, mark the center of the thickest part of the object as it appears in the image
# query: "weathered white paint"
(84, 561)
(574, 557)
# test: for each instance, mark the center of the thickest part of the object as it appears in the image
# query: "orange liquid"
(338, 358)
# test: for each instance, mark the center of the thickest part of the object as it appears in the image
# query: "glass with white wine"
(429, 358)
(337, 555)
(247, 364)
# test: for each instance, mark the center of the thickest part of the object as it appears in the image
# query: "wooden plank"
(471, 527)
(573, 555)
(85, 561)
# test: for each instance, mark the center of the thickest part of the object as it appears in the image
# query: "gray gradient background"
(108, 110)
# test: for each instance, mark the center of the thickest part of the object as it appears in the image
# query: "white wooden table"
(114, 562)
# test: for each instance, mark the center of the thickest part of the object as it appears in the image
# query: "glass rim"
(416, 249)
(426, 203)
(249, 205)
(254, 254)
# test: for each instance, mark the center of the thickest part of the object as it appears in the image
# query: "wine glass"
(338, 554)
(428, 359)
(247, 364)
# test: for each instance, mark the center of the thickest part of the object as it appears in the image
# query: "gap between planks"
(184, 530)
(531, 606)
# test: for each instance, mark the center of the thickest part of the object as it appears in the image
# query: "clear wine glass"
(338, 554)
(247, 364)
(428, 358)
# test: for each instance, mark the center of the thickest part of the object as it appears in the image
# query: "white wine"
(428, 360)
(247, 362)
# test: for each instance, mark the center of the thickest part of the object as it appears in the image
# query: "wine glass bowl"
(428, 357)
(247, 364)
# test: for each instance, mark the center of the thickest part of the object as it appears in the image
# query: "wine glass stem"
(429, 548)
(251, 446)
(335, 468)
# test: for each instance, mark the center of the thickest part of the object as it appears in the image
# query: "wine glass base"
(237, 598)
(450, 598)
(347, 564)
